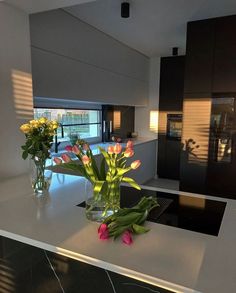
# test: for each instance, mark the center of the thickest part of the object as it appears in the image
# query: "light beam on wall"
(23, 94)
(117, 119)
(153, 122)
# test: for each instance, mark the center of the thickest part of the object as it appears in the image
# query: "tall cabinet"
(170, 116)
(208, 135)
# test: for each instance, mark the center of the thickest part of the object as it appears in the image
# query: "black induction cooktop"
(177, 210)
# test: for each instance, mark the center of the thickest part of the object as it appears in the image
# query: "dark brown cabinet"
(170, 107)
(199, 56)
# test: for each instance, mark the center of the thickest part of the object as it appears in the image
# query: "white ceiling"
(32, 6)
(154, 26)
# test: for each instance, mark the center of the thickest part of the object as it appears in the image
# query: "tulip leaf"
(103, 169)
(130, 218)
(139, 229)
(98, 186)
(25, 154)
(131, 182)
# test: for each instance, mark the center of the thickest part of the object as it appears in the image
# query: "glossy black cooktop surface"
(185, 212)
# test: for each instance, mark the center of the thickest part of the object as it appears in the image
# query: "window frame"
(90, 140)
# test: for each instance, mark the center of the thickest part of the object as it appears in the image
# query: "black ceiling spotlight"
(125, 9)
(175, 51)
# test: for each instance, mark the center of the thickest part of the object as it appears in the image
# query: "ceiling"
(154, 26)
(32, 6)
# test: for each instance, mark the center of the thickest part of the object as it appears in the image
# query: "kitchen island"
(176, 259)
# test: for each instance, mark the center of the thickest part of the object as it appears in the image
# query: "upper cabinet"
(199, 56)
(224, 74)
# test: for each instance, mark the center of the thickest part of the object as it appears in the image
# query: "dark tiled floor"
(26, 269)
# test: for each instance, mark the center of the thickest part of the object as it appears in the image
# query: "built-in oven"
(174, 126)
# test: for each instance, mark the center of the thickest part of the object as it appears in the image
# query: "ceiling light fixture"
(125, 9)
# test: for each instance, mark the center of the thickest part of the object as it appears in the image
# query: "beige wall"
(15, 87)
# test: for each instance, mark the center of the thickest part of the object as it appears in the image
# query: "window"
(74, 123)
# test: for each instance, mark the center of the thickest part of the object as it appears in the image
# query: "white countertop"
(168, 257)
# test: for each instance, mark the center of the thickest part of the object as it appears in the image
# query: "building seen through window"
(74, 123)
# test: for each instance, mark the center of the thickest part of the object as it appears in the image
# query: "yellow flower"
(25, 128)
(34, 123)
(43, 120)
(54, 124)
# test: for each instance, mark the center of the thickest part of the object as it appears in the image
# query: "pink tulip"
(85, 147)
(75, 149)
(135, 164)
(129, 153)
(110, 150)
(68, 148)
(103, 232)
(117, 148)
(66, 158)
(129, 145)
(58, 161)
(102, 228)
(85, 160)
(127, 238)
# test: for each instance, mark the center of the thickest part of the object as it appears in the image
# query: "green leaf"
(105, 155)
(121, 171)
(130, 218)
(25, 155)
(98, 186)
(103, 169)
(139, 229)
(131, 182)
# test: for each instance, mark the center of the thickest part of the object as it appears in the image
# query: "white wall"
(15, 87)
(73, 60)
(142, 114)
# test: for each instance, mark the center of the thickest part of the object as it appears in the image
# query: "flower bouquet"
(127, 221)
(39, 137)
(105, 179)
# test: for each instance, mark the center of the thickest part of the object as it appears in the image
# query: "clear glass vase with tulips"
(105, 179)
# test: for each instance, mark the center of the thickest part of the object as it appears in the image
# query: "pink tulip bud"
(117, 148)
(68, 148)
(110, 150)
(135, 164)
(66, 158)
(129, 153)
(127, 238)
(129, 145)
(104, 235)
(103, 232)
(58, 161)
(102, 228)
(85, 160)
(75, 149)
(86, 147)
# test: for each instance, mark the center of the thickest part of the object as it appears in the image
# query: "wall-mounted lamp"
(125, 7)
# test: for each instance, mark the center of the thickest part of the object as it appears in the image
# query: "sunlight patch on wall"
(196, 126)
(23, 94)
(153, 121)
(117, 119)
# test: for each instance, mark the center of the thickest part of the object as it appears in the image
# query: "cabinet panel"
(225, 32)
(224, 76)
(199, 57)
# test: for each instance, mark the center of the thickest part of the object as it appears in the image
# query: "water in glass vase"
(100, 206)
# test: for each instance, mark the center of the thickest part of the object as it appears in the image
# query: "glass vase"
(40, 175)
(101, 205)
